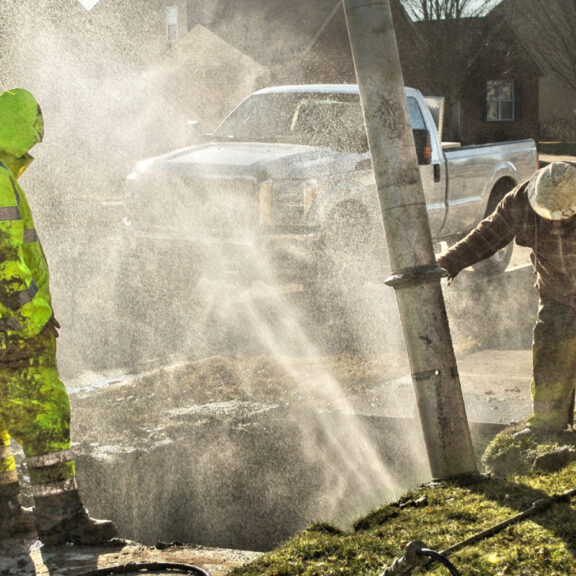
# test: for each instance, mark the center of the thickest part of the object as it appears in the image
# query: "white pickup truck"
(287, 175)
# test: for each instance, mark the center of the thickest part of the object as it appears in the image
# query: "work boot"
(15, 520)
(524, 433)
(542, 434)
(62, 518)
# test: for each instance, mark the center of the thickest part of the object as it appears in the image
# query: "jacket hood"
(21, 122)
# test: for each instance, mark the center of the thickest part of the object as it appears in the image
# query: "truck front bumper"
(282, 257)
(293, 256)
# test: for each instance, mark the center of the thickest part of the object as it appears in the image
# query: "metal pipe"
(417, 554)
(416, 277)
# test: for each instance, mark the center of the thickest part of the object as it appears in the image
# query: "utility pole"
(416, 277)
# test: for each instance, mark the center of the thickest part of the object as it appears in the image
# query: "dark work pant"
(554, 366)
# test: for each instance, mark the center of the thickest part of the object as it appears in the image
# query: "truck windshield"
(313, 119)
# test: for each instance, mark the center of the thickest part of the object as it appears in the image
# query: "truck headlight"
(140, 168)
(286, 201)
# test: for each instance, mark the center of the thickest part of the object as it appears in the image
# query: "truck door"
(433, 174)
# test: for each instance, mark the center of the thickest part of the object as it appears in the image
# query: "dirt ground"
(16, 559)
(495, 386)
(377, 386)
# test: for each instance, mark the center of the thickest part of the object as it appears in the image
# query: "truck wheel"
(137, 313)
(347, 261)
(153, 309)
(496, 264)
(348, 253)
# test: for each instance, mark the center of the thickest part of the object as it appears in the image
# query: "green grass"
(442, 515)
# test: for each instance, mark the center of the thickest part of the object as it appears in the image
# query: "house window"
(172, 24)
(499, 100)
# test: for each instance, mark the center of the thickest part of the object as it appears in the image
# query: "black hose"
(417, 554)
(413, 552)
(147, 566)
(535, 507)
(442, 559)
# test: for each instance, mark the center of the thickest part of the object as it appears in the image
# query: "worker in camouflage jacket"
(540, 214)
(34, 405)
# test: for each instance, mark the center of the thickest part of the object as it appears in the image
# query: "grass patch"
(442, 515)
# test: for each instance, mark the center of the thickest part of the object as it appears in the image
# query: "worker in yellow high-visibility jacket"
(34, 405)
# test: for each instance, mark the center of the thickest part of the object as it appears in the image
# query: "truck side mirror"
(193, 133)
(423, 146)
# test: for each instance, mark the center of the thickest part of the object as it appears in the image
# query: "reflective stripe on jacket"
(25, 305)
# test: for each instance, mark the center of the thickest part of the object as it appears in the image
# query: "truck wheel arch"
(348, 216)
(347, 242)
(499, 262)
(499, 190)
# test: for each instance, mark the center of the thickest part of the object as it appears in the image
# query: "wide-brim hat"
(552, 191)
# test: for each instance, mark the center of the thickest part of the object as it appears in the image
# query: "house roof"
(470, 33)
(274, 32)
(271, 31)
(527, 28)
(463, 43)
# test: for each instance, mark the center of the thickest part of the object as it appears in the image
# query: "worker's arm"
(23, 312)
(492, 234)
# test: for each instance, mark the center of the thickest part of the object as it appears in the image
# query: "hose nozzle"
(412, 558)
(417, 554)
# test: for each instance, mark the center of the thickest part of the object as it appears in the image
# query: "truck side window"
(416, 118)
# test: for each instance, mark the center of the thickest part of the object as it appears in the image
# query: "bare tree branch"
(447, 9)
(550, 27)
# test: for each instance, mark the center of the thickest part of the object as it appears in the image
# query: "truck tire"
(153, 312)
(348, 251)
(136, 319)
(498, 263)
(347, 262)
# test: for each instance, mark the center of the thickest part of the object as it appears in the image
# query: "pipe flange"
(415, 275)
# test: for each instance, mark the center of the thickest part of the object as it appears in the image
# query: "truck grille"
(198, 208)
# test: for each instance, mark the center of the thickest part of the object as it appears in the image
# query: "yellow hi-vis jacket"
(25, 303)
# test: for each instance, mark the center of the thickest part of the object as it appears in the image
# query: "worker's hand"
(53, 326)
(447, 275)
